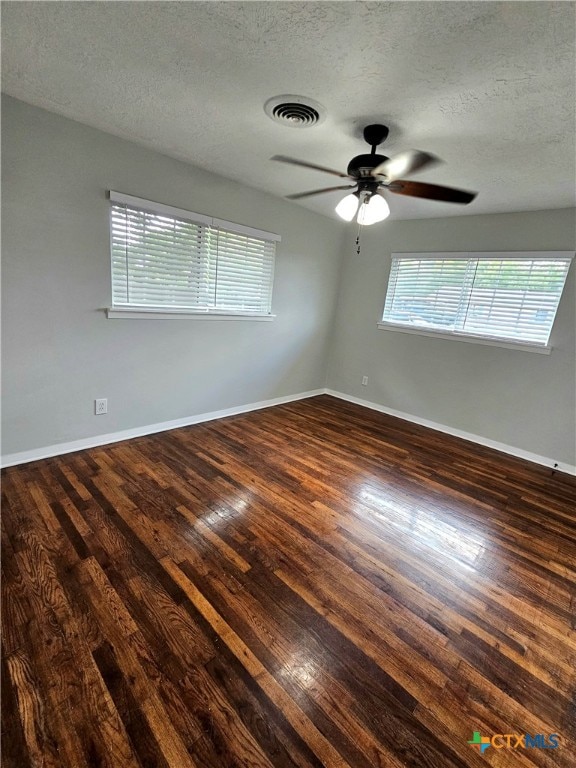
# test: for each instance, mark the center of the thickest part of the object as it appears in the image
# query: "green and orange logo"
(482, 742)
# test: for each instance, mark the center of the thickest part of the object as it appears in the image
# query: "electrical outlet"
(101, 406)
(364, 381)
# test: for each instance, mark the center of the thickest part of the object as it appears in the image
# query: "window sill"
(161, 313)
(526, 347)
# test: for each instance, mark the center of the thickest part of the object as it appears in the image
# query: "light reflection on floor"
(227, 508)
(459, 543)
(301, 669)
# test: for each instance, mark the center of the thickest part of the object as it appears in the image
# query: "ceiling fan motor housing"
(362, 165)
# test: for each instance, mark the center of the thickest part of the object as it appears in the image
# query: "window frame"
(167, 312)
(467, 336)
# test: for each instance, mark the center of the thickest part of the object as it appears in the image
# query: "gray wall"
(60, 352)
(519, 398)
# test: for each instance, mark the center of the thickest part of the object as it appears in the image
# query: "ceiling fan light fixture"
(372, 210)
(347, 207)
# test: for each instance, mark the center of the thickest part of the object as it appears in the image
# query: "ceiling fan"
(372, 174)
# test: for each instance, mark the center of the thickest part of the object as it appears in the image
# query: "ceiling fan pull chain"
(358, 239)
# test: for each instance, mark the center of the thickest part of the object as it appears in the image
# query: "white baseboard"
(23, 457)
(510, 449)
(58, 449)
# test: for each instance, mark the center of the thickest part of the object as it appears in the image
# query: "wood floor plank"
(298, 719)
(313, 584)
(38, 736)
(15, 751)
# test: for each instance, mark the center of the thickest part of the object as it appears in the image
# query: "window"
(506, 297)
(168, 260)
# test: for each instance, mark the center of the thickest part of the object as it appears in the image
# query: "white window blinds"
(504, 296)
(164, 257)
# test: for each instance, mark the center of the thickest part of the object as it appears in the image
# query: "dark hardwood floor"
(313, 584)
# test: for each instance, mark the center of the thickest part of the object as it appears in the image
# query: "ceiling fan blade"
(431, 191)
(304, 164)
(406, 162)
(298, 195)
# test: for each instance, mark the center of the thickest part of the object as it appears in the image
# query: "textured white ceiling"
(487, 86)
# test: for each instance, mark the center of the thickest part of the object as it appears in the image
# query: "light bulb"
(373, 210)
(347, 207)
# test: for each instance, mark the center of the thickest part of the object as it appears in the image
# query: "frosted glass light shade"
(347, 207)
(375, 209)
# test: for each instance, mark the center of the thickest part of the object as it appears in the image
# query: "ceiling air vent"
(295, 111)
